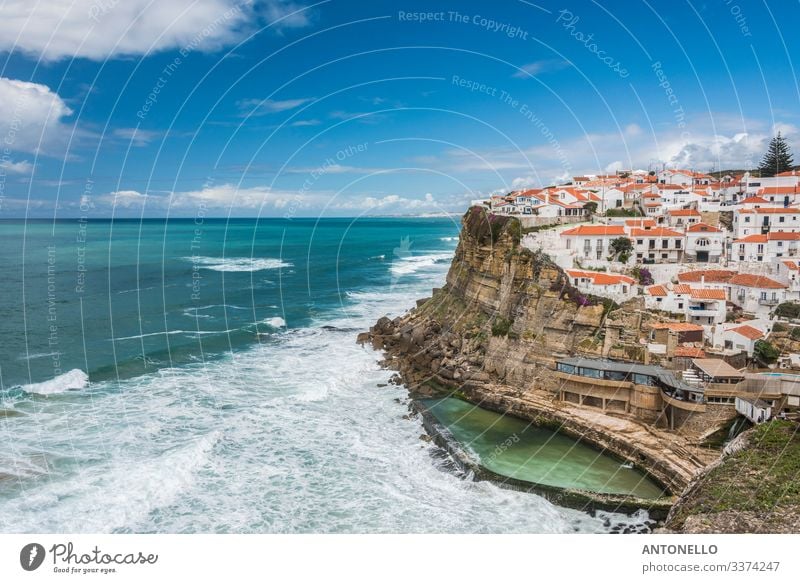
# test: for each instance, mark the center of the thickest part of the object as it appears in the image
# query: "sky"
(272, 108)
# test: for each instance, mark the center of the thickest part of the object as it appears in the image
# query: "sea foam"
(74, 379)
(237, 263)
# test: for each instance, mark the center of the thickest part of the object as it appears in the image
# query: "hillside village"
(716, 257)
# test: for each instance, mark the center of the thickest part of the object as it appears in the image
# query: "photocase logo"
(31, 556)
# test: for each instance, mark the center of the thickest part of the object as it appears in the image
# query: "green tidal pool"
(516, 449)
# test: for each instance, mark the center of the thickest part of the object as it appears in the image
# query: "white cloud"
(615, 166)
(538, 67)
(262, 200)
(32, 119)
(138, 136)
(10, 167)
(306, 122)
(523, 182)
(266, 106)
(99, 29)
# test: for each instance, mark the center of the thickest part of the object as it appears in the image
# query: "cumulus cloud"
(99, 29)
(33, 117)
(10, 167)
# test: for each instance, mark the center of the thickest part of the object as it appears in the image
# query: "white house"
(704, 243)
(738, 337)
(591, 241)
(756, 294)
(788, 271)
(658, 245)
(761, 220)
(701, 306)
(682, 218)
(611, 285)
(765, 248)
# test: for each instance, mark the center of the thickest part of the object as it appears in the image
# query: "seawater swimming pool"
(517, 449)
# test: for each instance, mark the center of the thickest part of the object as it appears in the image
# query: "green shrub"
(765, 352)
(501, 327)
(788, 310)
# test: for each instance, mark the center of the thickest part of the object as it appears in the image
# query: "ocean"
(202, 375)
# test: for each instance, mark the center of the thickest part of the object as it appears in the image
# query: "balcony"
(701, 312)
(768, 301)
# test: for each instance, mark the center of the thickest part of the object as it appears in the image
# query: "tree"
(778, 157)
(621, 249)
(591, 207)
(765, 353)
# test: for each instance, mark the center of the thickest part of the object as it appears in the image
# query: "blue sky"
(343, 108)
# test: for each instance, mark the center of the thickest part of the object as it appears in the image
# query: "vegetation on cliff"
(755, 489)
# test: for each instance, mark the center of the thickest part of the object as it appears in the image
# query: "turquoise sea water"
(514, 448)
(203, 376)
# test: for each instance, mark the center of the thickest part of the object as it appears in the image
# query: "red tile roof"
(778, 190)
(677, 326)
(657, 232)
(604, 230)
(703, 228)
(783, 236)
(771, 210)
(748, 332)
(791, 265)
(707, 275)
(684, 213)
(708, 294)
(640, 223)
(657, 290)
(601, 278)
(754, 200)
(689, 352)
(752, 239)
(753, 280)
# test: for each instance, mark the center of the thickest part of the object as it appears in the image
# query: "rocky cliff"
(491, 334)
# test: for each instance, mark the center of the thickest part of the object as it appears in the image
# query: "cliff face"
(503, 316)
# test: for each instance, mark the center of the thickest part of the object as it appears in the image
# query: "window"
(782, 219)
(569, 243)
(659, 300)
(680, 305)
(677, 243)
(640, 241)
(747, 219)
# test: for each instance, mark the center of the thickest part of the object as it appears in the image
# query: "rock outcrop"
(492, 333)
